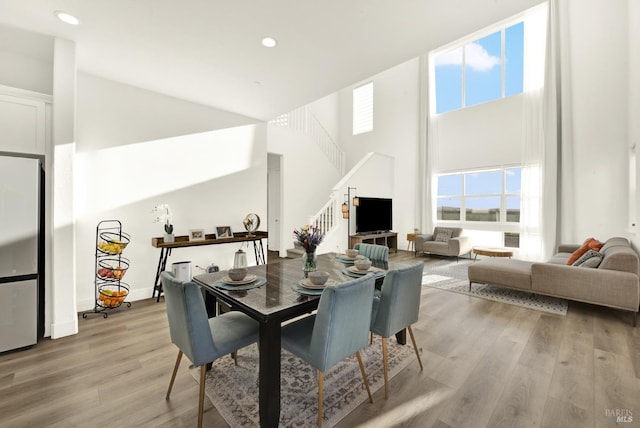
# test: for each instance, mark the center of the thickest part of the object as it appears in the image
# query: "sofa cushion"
(622, 258)
(589, 244)
(506, 272)
(444, 235)
(590, 259)
(614, 242)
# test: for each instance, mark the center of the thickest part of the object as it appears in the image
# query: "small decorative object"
(240, 259)
(163, 215)
(362, 264)
(251, 223)
(309, 237)
(168, 233)
(318, 277)
(196, 235)
(224, 232)
(237, 274)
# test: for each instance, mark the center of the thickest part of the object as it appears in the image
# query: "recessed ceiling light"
(269, 42)
(66, 17)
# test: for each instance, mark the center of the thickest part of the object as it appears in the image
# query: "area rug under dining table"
(233, 390)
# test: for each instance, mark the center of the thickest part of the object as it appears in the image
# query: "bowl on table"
(318, 277)
(237, 274)
(362, 264)
(351, 252)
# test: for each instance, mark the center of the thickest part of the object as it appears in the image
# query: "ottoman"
(510, 273)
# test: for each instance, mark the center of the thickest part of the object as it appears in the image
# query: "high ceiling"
(209, 51)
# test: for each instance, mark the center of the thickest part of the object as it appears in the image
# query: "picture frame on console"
(196, 235)
(224, 232)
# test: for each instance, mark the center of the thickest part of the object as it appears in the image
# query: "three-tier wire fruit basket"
(110, 267)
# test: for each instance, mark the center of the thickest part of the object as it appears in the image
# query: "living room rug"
(452, 276)
(233, 390)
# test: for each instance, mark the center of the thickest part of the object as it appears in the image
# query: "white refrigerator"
(21, 215)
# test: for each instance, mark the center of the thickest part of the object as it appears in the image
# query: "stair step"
(295, 253)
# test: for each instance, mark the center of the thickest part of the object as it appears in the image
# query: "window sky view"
(483, 77)
(481, 190)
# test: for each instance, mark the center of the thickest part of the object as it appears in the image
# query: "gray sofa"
(614, 283)
(454, 246)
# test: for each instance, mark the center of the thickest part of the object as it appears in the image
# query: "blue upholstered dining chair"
(339, 329)
(201, 339)
(373, 252)
(396, 308)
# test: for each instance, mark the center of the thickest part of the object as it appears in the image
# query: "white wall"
(26, 60)
(374, 176)
(307, 179)
(63, 293)
(599, 49)
(395, 133)
(634, 104)
(137, 149)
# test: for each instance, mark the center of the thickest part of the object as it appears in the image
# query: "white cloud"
(477, 58)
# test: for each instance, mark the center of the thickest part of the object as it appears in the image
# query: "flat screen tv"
(374, 215)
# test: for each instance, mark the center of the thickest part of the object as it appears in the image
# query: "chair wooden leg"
(364, 376)
(173, 376)
(320, 385)
(415, 347)
(235, 357)
(384, 366)
(203, 378)
(370, 338)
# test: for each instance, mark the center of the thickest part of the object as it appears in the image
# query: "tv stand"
(388, 239)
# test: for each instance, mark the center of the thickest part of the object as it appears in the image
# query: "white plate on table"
(346, 259)
(246, 280)
(308, 291)
(372, 269)
(306, 283)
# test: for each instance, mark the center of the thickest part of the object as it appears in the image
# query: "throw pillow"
(590, 259)
(593, 262)
(589, 244)
(444, 235)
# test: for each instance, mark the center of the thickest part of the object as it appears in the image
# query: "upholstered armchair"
(444, 241)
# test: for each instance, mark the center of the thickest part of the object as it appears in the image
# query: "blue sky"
(483, 70)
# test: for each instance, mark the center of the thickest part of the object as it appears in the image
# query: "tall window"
(480, 196)
(483, 70)
(363, 109)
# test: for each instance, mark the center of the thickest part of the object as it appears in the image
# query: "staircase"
(304, 121)
(325, 220)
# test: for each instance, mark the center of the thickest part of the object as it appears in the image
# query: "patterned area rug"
(452, 276)
(233, 390)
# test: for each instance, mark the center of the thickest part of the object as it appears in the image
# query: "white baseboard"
(62, 329)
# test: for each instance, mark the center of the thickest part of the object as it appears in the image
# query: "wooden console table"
(388, 239)
(183, 242)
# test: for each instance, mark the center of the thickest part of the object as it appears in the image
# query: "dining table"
(277, 295)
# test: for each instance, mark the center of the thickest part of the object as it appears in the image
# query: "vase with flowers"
(309, 237)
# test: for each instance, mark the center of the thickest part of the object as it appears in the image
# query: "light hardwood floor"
(486, 364)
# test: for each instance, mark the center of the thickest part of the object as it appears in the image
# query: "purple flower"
(309, 237)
